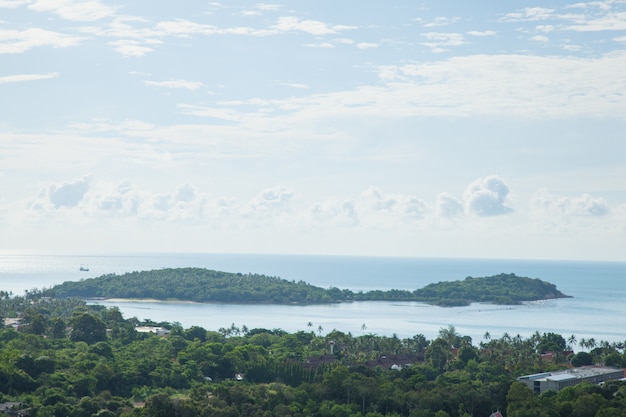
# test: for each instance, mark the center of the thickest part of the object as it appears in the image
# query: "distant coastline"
(209, 286)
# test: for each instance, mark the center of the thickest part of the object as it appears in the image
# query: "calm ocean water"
(597, 310)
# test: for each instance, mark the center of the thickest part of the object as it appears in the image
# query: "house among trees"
(13, 322)
(496, 414)
(159, 331)
(13, 409)
(558, 380)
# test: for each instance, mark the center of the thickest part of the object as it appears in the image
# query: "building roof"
(561, 377)
(160, 331)
(571, 373)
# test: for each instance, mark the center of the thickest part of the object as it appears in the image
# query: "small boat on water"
(84, 268)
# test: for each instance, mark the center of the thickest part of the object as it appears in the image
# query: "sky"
(404, 128)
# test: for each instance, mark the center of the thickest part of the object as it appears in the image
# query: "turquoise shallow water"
(597, 310)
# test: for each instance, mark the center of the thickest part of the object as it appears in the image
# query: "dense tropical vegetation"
(71, 359)
(203, 285)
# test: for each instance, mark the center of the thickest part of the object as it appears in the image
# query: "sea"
(596, 309)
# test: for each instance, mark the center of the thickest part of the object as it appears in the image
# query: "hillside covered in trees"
(69, 359)
(203, 285)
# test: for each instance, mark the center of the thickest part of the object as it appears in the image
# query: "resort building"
(558, 380)
(159, 331)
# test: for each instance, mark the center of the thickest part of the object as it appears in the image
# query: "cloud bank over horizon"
(88, 201)
(437, 130)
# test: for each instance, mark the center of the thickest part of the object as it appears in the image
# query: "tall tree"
(87, 328)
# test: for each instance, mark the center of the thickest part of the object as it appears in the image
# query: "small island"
(209, 286)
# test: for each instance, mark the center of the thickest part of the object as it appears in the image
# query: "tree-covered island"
(203, 285)
(63, 357)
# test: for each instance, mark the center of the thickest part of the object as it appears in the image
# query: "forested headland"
(203, 285)
(69, 359)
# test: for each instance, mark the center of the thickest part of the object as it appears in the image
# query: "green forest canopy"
(203, 285)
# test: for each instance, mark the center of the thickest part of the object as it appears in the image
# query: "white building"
(159, 331)
(558, 380)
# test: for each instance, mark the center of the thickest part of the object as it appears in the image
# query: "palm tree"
(320, 329)
(572, 341)
(591, 343)
(606, 347)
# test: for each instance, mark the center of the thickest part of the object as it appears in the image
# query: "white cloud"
(185, 193)
(188, 204)
(555, 207)
(274, 213)
(539, 38)
(457, 87)
(182, 27)
(299, 86)
(571, 48)
(392, 208)
(413, 208)
(545, 28)
(13, 4)
(185, 28)
(505, 84)
(66, 194)
(487, 197)
(84, 201)
(367, 45)
(379, 201)
(313, 27)
(222, 113)
(343, 41)
(273, 200)
(129, 47)
(124, 204)
(529, 14)
(334, 213)
(17, 42)
(585, 205)
(603, 5)
(268, 7)
(185, 204)
(27, 77)
(132, 40)
(75, 10)
(124, 200)
(438, 40)
(447, 206)
(138, 42)
(482, 33)
(126, 27)
(610, 21)
(319, 45)
(597, 16)
(183, 84)
(442, 21)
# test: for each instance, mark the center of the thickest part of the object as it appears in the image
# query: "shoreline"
(140, 300)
